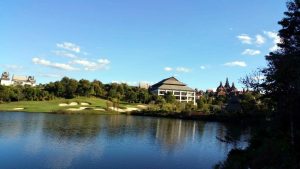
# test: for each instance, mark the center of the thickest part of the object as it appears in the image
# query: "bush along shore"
(231, 108)
(200, 116)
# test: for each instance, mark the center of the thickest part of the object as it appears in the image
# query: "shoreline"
(87, 112)
(86, 106)
(205, 118)
(208, 118)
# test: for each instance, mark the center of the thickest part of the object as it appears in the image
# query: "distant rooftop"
(19, 78)
(171, 83)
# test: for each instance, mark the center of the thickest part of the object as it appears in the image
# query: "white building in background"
(5, 80)
(17, 80)
(181, 91)
(23, 80)
(144, 85)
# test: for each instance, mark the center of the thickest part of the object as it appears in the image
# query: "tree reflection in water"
(59, 141)
(168, 133)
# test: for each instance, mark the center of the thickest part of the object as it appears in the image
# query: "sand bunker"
(116, 109)
(123, 110)
(71, 104)
(131, 109)
(99, 109)
(77, 109)
(19, 108)
(83, 108)
(141, 106)
(84, 104)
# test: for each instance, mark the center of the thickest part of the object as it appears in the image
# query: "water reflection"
(76, 128)
(92, 141)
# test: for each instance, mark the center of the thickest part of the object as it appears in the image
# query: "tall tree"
(83, 87)
(98, 88)
(68, 86)
(282, 82)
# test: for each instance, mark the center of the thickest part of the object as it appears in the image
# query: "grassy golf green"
(92, 105)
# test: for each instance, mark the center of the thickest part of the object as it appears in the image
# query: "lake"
(40, 140)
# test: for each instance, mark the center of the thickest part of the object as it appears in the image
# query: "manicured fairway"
(53, 105)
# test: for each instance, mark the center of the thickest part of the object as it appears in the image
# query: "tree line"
(69, 88)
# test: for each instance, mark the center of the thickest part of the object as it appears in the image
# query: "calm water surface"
(38, 140)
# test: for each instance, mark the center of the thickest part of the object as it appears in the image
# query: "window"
(162, 92)
(191, 94)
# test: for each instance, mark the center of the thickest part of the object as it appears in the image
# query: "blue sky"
(199, 41)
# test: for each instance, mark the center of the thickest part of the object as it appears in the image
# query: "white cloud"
(13, 67)
(260, 40)
(236, 63)
(104, 61)
(64, 54)
(69, 46)
(183, 69)
(93, 65)
(202, 67)
(244, 38)
(85, 63)
(178, 69)
(47, 63)
(251, 52)
(168, 69)
(276, 39)
(49, 75)
(274, 48)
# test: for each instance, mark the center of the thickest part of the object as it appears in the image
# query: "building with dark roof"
(226, 89)
(181, 91)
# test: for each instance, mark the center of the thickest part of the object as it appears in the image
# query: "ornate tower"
(227, 86)
(5, 76)
(233, 88)
(220, 87)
